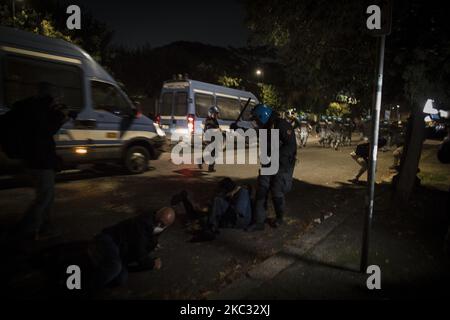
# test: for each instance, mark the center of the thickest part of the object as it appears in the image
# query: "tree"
(270, 96)
(230, 82)
(29, 20)
(319, 43)
(338, 109)
(48, 17)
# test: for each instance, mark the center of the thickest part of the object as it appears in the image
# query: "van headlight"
(81, 150)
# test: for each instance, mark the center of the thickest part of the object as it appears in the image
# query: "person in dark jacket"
(361, 156)
(41, 118)
(211, 123)
(280, 183)
(127, 246)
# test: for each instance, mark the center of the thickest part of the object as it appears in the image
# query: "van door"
(165, 111)
(180, 112)
(111, 118)
(173, 112)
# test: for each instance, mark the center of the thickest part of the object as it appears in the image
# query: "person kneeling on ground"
(126, 246)
(230, 208)
(361, 156)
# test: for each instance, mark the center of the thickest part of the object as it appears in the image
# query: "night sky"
(157, 22)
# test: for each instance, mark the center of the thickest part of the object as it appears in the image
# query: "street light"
(258, 72)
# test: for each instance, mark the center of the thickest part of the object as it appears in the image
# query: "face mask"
(158, 230)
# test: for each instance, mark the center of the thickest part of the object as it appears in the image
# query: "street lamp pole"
(373, 157)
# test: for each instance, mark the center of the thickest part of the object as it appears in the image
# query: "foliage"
(319, 43)
(230, 82)
(48, 17)
(271, 97)
(29, 19)
(324, 50)
(419, 67)
(338, 109)
(346, 97)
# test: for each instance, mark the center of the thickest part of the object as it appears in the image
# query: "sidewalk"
(324, 263)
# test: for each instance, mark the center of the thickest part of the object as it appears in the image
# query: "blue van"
(183, 106)
(107, 127)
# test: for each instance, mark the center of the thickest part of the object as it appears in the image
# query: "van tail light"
(191, 123)
(158, 119)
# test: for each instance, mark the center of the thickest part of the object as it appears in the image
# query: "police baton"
(234, 125)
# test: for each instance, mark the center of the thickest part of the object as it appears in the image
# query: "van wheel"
(136, 160)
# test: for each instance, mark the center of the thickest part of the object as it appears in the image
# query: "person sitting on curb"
(230, 208)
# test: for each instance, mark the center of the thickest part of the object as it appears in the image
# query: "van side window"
(166, 104)
(23, 77)
(180, 106)
(108, 98)
(202, 104)
(229, 108)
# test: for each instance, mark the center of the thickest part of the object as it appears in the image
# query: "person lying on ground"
(106, 260)
(127, 246)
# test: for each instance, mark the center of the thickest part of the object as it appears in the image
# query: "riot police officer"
(280, 183)
(305, 129)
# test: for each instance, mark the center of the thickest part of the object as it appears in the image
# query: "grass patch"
(437, 180)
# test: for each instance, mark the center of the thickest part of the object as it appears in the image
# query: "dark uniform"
(210, 123)
(29, 128)
(280, 183)
(123, 247)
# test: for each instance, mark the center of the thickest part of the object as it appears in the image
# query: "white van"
(107, 127)
(184, 104)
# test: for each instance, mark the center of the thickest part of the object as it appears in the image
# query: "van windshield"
(180, 106)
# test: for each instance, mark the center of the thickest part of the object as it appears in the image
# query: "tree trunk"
(411, 156)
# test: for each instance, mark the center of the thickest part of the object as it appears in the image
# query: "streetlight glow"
(258, 72)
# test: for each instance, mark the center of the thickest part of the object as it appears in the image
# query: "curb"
(269, 268)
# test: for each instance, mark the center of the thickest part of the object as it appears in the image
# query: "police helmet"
(261, 113)
(291, 113)
(213, 110)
